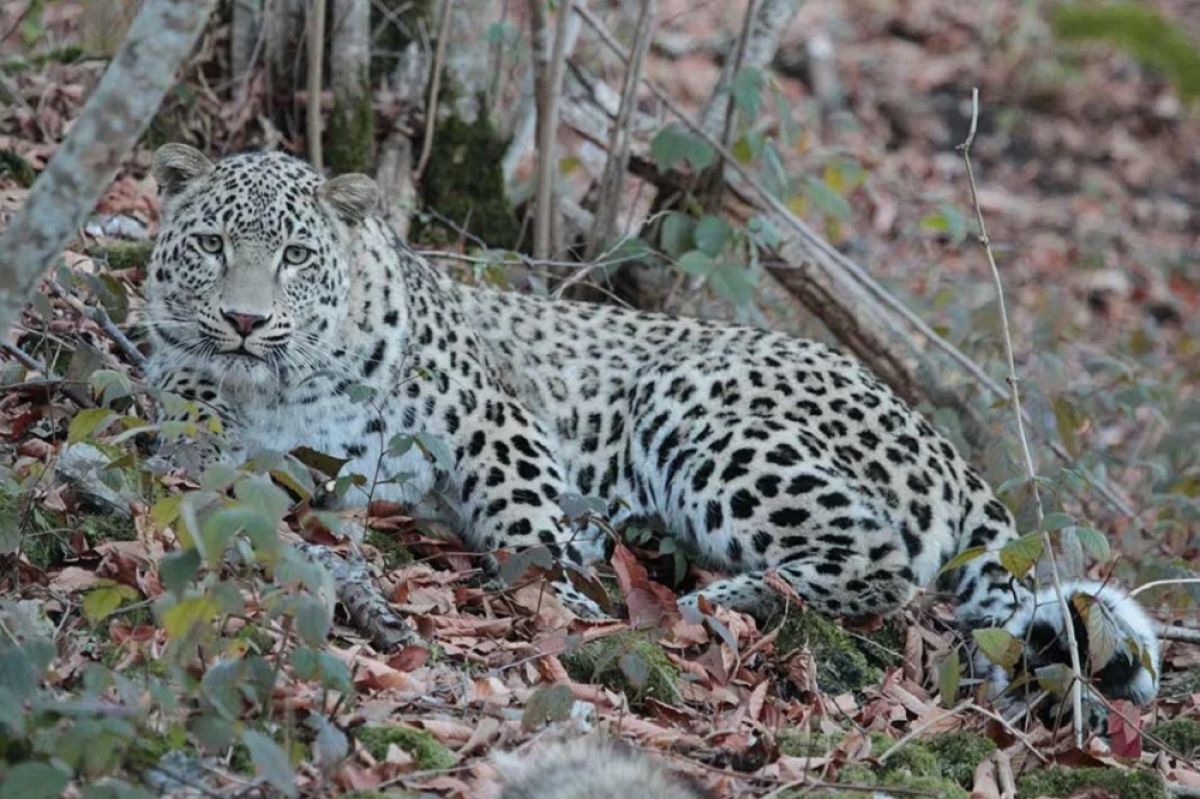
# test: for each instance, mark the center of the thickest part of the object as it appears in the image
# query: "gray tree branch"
(129, 93)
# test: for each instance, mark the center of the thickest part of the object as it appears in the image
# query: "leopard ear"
(353, 196)
(176, 165)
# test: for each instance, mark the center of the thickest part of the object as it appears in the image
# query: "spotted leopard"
(275, 296)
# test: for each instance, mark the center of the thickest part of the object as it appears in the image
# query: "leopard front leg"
(508, 487)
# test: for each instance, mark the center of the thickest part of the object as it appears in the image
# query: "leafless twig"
(1027, 454)
(97, 314)
(316, 50)
(613, 179)
(548, 101)
(435, 84)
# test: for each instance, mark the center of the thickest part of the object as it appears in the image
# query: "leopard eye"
(296, 254)
(210, 243)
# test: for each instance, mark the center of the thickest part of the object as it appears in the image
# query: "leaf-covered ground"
(135, 627)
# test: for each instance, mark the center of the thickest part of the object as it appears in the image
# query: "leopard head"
(252, 267)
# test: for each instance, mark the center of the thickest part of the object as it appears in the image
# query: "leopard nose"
(245, 323)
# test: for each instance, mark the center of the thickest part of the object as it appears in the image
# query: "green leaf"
(962, 559)
(519, 563)
(711, 235)
(734, 283)
(696, 263)
(178, 569)
(1069, 421)
(1095, 543)
(676, 234)
(324, 463)
(312, 619)
(270, 762)
(949, 675)
(675, 144)
(1054, 679)
(747, 92)
(547, 704)
(178, 619)
(259, 493)
(35, 780)
(294, 476)
(1057, 521)
(998, 646)
(105, 598)
(436, 450)
(826, 199)
(1103, 635)
(1019, 556)
(86, 422)
(111, 385)
(774, 174)
(748, 146)
(949, 220)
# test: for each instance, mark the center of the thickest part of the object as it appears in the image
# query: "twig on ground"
(316, 51)
(1004, 775)
(80, 398)
(97, 314)
(368, 608)
(1172, 632)
(435, 84)
(613, 180)
(1026, 452)
(547, 127)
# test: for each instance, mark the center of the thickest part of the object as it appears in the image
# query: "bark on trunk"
(123, 103)
(350, 145)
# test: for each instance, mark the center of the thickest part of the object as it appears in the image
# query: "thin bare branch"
(613, 180)
(435, 84)
(1026, 452)
(549, 97)
(316, 50)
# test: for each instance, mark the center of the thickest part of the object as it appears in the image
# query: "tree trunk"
(283, 27)
(244, 31)
(350, 139)
(128, 94)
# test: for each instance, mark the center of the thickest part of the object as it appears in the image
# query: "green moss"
(350, 137)
(841, 665)
(425, 749)
(122, 254)
(858, 774)
(959, 753)
(913, 759)
(621, 662)
(463, 182)
(16, 168)
(801, 743)
(395, 553)
(1181, 736)
(1059, 781)
(884, 647)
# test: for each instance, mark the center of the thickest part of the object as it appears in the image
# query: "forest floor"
(1090, 183)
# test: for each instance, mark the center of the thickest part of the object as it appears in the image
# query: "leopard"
(277, 299)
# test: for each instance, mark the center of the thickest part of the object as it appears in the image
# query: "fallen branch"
(97, 314)
(115, 115)
(356, 590)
